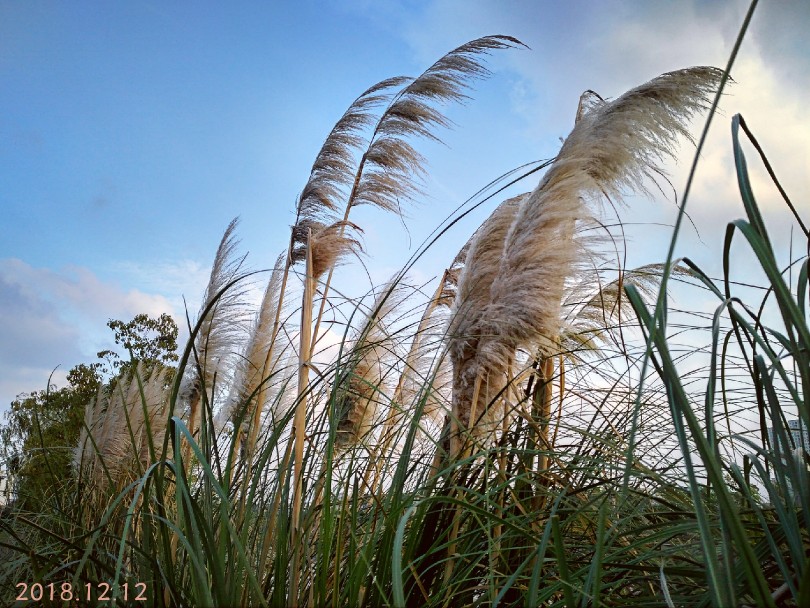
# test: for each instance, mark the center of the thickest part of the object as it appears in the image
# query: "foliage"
(39, 432)
(42, 428)
(146, 339)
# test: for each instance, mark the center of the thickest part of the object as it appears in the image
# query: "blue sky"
(131, 133)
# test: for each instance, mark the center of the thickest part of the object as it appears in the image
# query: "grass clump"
(522, 436)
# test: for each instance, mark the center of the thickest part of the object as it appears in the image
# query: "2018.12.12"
(67, 591)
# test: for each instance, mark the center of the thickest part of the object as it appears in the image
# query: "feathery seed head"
(614, 147)
(363, 385)
(594, 311)
(250, 369)
(481, 257)
(391, 165)
(222, 315)
(120, 431)
(329, 243)
(334, 167)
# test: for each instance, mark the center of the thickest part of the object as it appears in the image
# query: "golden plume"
(388, 168)
(481, 263)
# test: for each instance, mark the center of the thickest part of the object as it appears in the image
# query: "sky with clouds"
(131, 134)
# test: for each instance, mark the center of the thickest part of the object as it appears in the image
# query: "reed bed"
(539, 427)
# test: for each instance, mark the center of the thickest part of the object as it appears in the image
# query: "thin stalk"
(271, 527)
(458, 451)
(498, 527)
(562, 396)
(543, 409)
(300, 422)
(194, 407)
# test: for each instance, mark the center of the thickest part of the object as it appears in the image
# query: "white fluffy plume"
(616, 147)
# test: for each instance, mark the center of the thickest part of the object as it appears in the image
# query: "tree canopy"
(41, 428)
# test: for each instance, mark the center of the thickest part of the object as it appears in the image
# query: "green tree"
(152, 341)
(42, 428)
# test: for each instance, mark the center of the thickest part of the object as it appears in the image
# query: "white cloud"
(175, 280)
(76, 288)
(774, 114)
